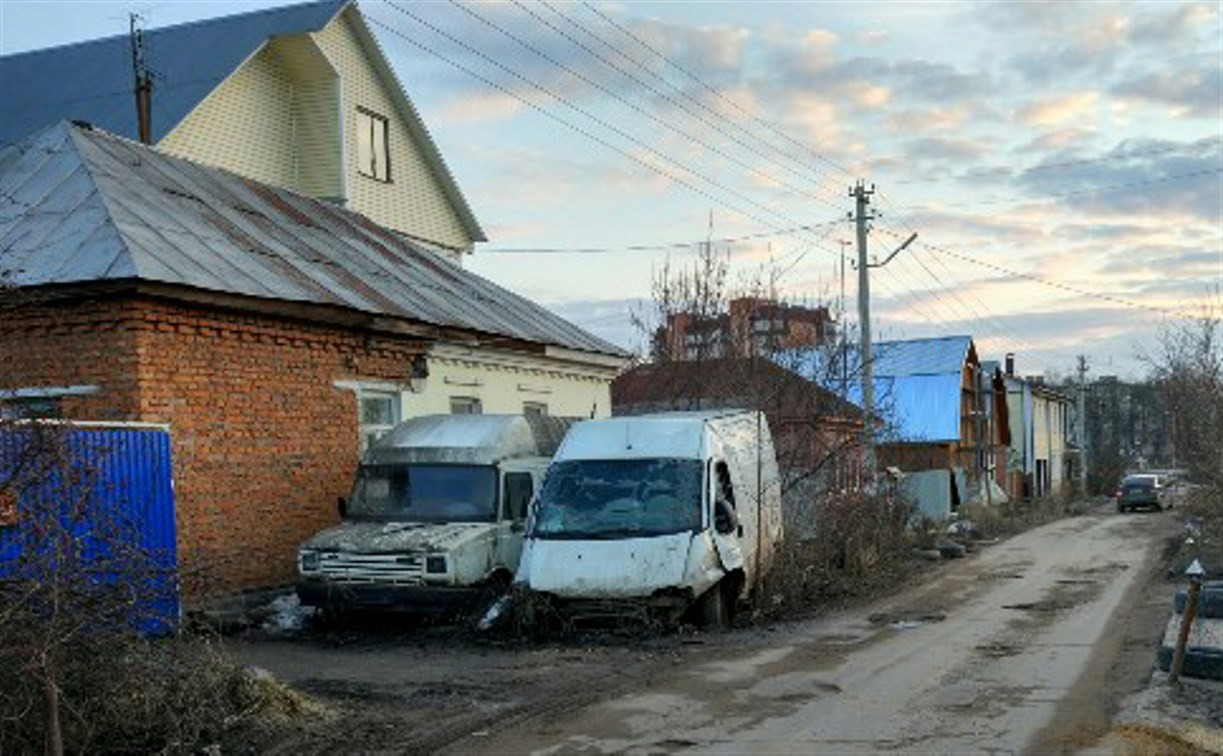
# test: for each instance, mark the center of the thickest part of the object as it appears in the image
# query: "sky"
(1061, 162)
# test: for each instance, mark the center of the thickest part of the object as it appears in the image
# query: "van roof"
(469, 439)
(663, 435)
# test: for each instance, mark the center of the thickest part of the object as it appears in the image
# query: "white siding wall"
(245, 125)
(504, 381)
(413, 202)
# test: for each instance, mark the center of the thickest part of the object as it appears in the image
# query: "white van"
(436, 516)
(670, 513)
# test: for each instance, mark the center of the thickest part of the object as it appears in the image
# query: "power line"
(1047, 282)
(614, 95)
(714, 91)
(567, 124)
(661, 247)
(1109, 189)
(718, 118)
(1061, 164)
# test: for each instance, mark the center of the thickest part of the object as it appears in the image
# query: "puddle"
(998, 650)
(1000, 576)
(905, 620)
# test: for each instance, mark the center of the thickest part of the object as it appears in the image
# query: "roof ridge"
(172, 27)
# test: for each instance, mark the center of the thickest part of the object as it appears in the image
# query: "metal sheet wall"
(107, 493)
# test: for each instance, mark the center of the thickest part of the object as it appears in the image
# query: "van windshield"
(620, 498)
(425, 493)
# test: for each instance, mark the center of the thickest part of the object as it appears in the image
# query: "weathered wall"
(263, 441)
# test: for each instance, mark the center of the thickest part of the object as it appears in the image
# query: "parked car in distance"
(436, 516)
(1140, 491)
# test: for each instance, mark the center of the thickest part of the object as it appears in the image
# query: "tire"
(712, 609)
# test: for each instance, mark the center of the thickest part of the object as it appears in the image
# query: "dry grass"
(1148, 740)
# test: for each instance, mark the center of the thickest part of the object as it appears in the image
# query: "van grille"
(372, 568)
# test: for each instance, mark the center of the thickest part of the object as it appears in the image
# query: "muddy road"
(1009, 649)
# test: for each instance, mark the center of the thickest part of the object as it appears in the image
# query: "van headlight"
(308, 560)
(435, 565)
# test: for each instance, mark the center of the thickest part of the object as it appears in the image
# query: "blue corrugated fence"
(92, 505)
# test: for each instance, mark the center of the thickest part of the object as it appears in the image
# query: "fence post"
(1195, 573)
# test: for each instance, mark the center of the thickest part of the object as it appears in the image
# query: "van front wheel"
(713, 608)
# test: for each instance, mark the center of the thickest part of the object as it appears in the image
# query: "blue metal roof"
(93, 81)
(934, 356)
(917, 384)
(81, 206)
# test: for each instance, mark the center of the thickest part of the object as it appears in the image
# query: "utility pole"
(861, 216)
(144, 81)
(1082, 425)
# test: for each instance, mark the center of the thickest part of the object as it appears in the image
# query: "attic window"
(373, 153)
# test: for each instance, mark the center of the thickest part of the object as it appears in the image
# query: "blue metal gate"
(92, 504)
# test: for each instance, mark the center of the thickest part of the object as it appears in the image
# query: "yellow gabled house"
(300, 97)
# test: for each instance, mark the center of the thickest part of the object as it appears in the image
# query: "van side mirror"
(341, 505)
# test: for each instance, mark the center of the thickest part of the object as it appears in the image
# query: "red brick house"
(144, 287)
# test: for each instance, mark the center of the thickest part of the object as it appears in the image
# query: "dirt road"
(981, 659)
(1007, 649)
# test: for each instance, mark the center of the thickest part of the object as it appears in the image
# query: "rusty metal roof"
(79, 205)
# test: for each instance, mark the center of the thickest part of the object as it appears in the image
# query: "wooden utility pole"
(144, 81)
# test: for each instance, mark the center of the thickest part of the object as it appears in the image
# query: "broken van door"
(725, 518)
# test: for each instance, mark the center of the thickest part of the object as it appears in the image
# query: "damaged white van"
(661, 515)
(436, 516)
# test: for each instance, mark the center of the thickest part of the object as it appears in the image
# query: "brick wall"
(263, 441)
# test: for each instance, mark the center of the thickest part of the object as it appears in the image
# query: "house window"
(465, 405)
(29, 408)
(379, 413)
(373, 151)
(537, 409)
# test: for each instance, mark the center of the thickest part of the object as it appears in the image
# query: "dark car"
(1139, 491)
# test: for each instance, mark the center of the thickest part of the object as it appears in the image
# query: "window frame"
(364, 429)
(375, 119)
(473, 403)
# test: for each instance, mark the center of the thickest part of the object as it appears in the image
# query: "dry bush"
(77, 590)
(861, 544)
(126, 694)
(1016, 517)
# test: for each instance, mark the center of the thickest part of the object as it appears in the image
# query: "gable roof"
(744, 382)
(81, 206)
(93, 80)
(917, 385)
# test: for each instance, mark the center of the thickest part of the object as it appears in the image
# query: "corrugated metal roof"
(932, 356)
(92, 81)
(79, 205)
(917, 384)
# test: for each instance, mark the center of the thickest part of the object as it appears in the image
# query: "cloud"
(1178, 26)
(609, 319)
(1060, 139)
(1140, 178)
(1194, 91)
(1057, 110)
